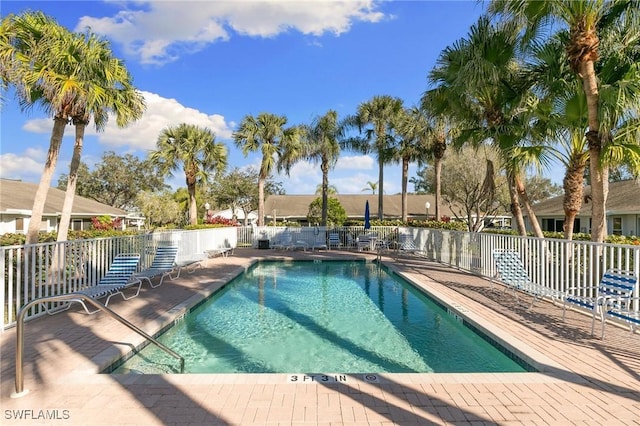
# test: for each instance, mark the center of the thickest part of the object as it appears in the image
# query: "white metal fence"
(35, 271)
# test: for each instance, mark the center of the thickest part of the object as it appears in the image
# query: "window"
(19, 224)
(617, 225)
(76, 224)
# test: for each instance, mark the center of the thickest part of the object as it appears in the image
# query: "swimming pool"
(316, 317)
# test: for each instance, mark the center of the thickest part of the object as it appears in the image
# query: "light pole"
(426, 207)
(207, 212)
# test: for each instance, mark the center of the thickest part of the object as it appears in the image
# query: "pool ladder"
(72, 297)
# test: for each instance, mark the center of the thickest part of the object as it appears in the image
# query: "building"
(16, 203)
(623, 211)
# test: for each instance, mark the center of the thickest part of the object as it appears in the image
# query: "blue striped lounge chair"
(119, 276)
(162, 265)
(511, 272)
(615, 290)
(624, 313)
(407, 244)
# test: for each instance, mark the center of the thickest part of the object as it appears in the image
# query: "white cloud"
(19, 166)
(142, 135)
(356, 162)
(152, 33)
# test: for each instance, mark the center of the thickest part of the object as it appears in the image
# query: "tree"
(117, 180)
(478, 82)
(323, 147)
(541, 188)
(336, 214)
(331, 189)
(279, 146)
(159, 208)
(588, 21)
(464, 189)
(381, 113)
(197, 150)
(415, 131)
(371, 186)
(75, 78)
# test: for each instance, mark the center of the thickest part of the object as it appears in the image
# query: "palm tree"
(478, 82)
(280, 147)
(323, 146)
(414, 128)
(33, 48)
(371, 186)
(104, 85)
(381, 113)
(331, 189)
(588, 21)
(197, 150)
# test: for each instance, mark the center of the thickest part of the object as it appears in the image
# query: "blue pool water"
(306, 317)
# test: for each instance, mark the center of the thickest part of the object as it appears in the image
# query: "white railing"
(558, 264)
(42, 270)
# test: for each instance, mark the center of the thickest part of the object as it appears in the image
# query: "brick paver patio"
(581, 379)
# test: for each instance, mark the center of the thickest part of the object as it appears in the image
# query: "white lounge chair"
(283, 242)
(224, 250)
(163, 265)
(320, 243)
(510, 272)
(119, 276)
(406, 243)
(366, 242)
(614, 291)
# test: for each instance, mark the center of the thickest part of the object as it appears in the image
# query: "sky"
(211, 63)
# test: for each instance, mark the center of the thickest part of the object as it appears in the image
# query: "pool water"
(335, 316)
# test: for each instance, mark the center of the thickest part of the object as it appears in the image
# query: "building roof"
(17, 197)
(297, 206)
(623, 198)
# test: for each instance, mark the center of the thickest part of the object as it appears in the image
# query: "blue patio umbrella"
(367, 223)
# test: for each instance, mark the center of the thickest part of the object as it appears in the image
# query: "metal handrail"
(71, 297)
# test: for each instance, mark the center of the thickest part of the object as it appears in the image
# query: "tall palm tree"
(381, 114)
(414, 128)
(104, 85)
(33, 50)
(280, 147)
(323, 147)
(587, 21)
(197, 150)
(478, 81)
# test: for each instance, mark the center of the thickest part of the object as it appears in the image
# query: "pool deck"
(581, 379)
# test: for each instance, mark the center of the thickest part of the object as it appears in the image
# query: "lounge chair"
(366, 242)
(299, 244)
(163, 265)
(406, 244)
(224, 250)
(320, 243)
(283, 242)
(615, 291)
(624, 312)
(334, 240)
(510, 272)
(119, 277)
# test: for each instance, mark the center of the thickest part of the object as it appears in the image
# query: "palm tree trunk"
(516, 211)
(325, 189)
(72, 181)
(599, 173)
(573, 193)
(45, 180)
(380, 189)
(405, 178)
(437, 165)
(522, 194)
(261, 180)
(193, 207)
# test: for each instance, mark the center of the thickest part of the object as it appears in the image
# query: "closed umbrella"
(367, 223)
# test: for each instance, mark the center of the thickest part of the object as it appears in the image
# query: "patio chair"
(334, 240)
(320, 243)
(224, 250)
(283, 242)
(366, 242)
(163, 265)
(119, 276)
(406, 243)
(624, 312)
(511, 273)
(299, 244)
(615, 290)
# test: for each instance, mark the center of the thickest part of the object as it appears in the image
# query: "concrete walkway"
(581, 379)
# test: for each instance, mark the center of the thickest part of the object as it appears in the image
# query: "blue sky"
(211, 63)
